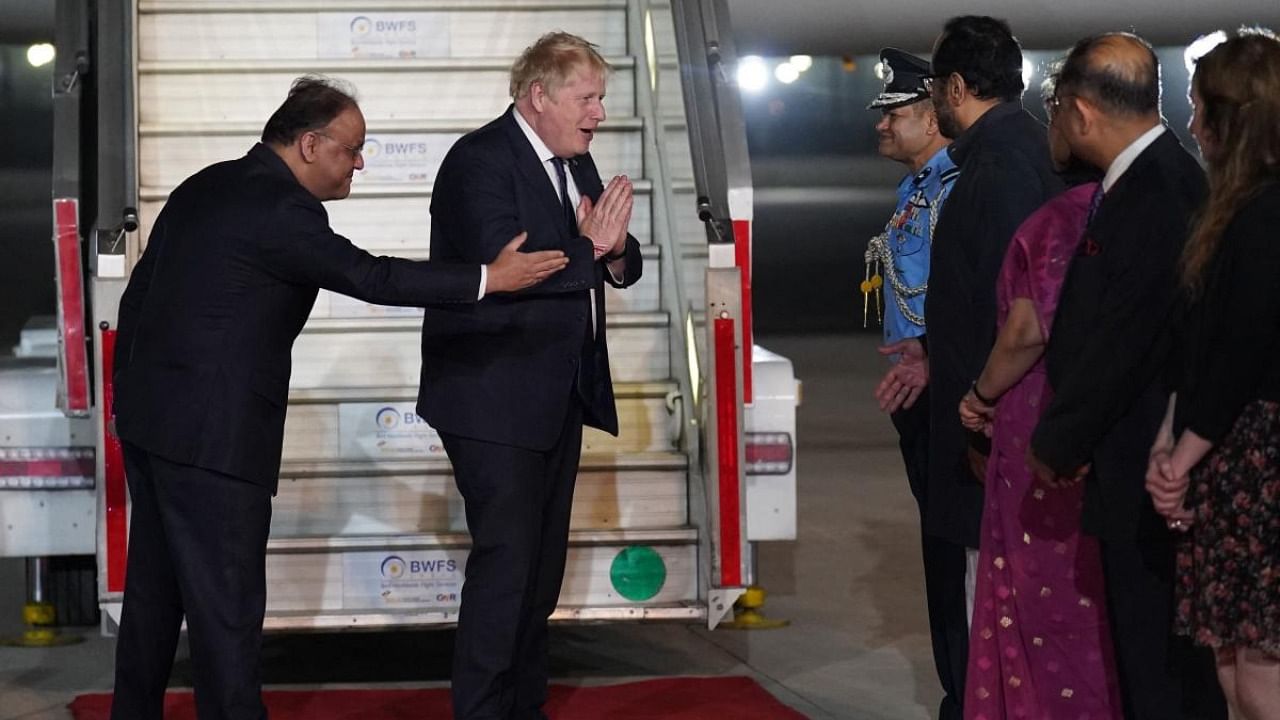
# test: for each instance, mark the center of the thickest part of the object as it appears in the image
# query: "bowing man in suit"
(509, 382)
(1106, 360)
(202, 364)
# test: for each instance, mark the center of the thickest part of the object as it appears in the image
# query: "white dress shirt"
(1126, 157)
(545, 156)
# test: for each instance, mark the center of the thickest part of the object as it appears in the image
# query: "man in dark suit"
(509, 382)
(202, 364)
(1005, 175)
(1107, 356)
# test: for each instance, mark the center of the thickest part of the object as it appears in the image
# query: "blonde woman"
(1215, 466)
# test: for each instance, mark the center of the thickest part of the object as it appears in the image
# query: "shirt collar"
(932, 171)
(1128, 155)
(540, 148)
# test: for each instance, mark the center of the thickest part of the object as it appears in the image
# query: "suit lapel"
(1123, 192)
(535, 175)
(585, 176)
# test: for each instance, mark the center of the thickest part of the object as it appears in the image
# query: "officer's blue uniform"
(908, 237)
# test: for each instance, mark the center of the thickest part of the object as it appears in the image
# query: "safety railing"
(714, 333)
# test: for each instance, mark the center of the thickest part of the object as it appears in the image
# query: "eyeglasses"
(355, 150)
(1053, 104)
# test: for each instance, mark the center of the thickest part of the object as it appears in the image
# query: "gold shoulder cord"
(877, 249)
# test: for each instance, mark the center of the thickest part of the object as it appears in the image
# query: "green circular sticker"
(638, 573)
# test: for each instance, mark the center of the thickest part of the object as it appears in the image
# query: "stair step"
(390, 219)
(409, 393)
(392, 157)
(279, 621)
(447, 540)
(332, 576)
(641, 297)
(250, 90)
(246, 29)
(365, 425)
(335, 501)
(397, 152)
(605, 462)
(387, 351)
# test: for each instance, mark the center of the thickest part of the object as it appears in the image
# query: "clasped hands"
(605, 221)
(1168, 488)
(975, 415)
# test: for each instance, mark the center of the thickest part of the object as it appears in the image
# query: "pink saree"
(1039, 646)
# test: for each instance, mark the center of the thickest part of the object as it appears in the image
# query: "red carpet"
(715, 698)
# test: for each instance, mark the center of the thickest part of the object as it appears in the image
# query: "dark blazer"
(1005, 175)
(505, 369)
(208, 320)
(1111, 337)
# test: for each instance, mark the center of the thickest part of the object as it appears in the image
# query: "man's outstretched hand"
(906, 379)
(514, 270)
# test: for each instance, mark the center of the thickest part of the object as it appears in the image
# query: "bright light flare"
(1201, 47)
(786, 73)
(801, 62)
(753, 74)
(40, 54)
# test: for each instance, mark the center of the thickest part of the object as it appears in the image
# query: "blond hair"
(551, 60)
(1239, 87)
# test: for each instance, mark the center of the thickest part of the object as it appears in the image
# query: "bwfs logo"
(393, 567)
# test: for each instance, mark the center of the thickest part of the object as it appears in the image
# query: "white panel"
(306, 581)
(384, 226)
(309, 581)
(311, 431)
(391, 158)
(381, 34)
(293, 35)
(642, 297)
(35, 523)
(408, 504)
(342, 306)
(391, 358)
(440, 91)
(587, 581)
(400, 224)
(227, 36)
(506, 33)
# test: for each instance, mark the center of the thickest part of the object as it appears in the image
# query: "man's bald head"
(1118, 72)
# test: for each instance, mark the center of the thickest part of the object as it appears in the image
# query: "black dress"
(1228, 586)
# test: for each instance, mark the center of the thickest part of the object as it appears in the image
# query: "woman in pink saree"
(1039, 645)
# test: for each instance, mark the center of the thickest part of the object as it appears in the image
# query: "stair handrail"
(685, 360)
(723, 190)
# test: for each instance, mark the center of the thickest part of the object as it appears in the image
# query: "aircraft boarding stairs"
(368, 528)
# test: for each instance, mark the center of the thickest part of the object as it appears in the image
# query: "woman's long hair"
(1239, 87)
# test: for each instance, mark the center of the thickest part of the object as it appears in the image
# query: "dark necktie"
(1088, 246)
(1094, 201)
(566, 207)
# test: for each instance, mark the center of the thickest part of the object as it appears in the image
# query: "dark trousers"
(1162, 676)
(518, 503)
(197, 547)
(944, 566)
